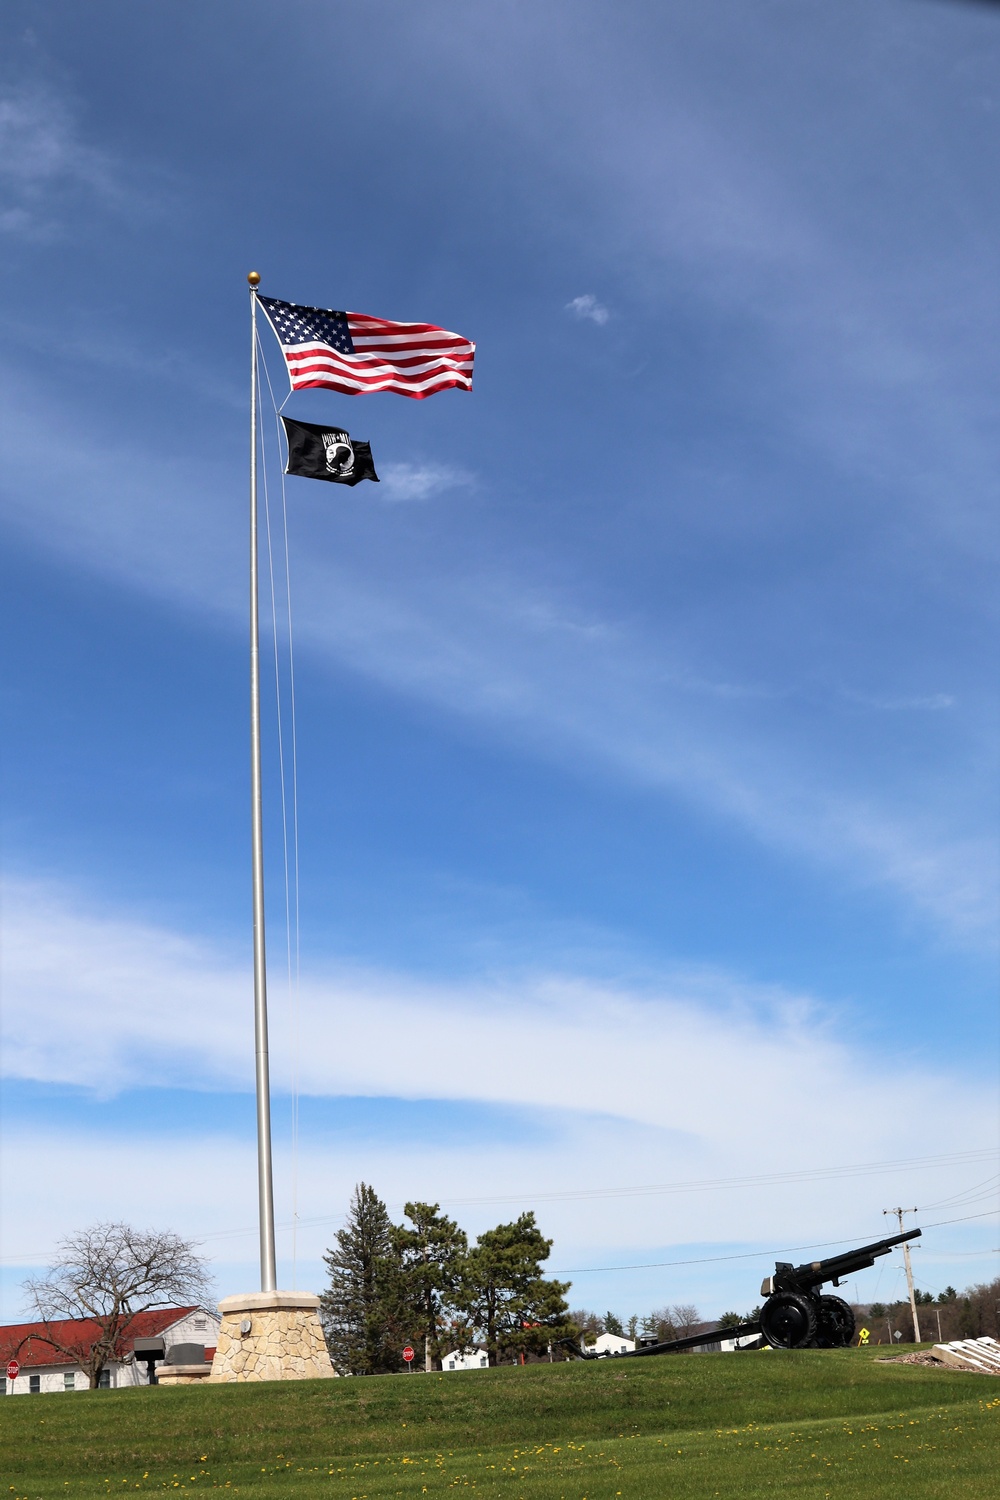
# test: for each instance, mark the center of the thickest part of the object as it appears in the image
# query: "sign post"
(408, 1356)
(13, 1371)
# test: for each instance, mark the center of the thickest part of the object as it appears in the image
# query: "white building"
(748, 1341)
(46, 1368)
(610, 1343)
(466, 1359)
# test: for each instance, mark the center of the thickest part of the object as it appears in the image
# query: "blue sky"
(646, 711)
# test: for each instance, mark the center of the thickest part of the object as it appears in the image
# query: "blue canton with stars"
(307, 325)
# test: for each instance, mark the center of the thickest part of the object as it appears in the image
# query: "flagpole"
(265, 1187)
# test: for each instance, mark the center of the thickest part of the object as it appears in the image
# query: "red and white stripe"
(412, 359)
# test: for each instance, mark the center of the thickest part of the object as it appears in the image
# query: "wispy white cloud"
(407, 481)
(99, 999)
(107, 354)
(911, 703)
(730, 218)
(861, 358)
(588, 307)
(694, 1076)
(43, 158)
(56, 1179)
(549, 671)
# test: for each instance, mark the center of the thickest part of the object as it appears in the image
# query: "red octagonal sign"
(408, 1354)
(13, 1370)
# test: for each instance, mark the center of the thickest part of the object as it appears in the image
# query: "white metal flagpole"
(265, 1186)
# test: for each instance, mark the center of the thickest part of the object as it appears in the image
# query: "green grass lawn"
(810, 1423)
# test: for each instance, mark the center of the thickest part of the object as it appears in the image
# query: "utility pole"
(899, 1212)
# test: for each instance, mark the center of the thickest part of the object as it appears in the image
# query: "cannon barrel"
(675, 1346)
(807, 1277)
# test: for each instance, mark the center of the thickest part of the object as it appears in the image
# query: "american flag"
(356, 354)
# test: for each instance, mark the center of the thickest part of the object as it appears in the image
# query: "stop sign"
(408, 1354)
(13, 1370)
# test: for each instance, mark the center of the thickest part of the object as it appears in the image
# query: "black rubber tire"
(836, 1323)
(789, 1321)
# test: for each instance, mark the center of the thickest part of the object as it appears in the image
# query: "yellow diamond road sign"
(863, 1335)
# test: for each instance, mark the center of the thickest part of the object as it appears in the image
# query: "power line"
(586, 1194)
(651, 1189)
(713, 1183)
(962, 1198)
(708, 1260)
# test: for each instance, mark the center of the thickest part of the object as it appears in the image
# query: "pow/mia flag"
(327, 453)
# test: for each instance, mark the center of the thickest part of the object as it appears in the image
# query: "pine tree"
(362, 1306)
(503, 1295)
(430, 1256)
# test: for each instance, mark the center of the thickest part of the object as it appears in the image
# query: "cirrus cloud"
(588, 306)
(410, 481)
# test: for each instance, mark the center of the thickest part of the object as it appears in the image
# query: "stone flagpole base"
(271, 1336)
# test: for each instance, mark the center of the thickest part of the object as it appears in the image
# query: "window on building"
(69, 1381)
(201, 1322)
(104, 1381)
(34, 1384)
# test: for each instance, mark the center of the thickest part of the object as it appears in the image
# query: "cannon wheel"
(788, 1320)
(836, 1323)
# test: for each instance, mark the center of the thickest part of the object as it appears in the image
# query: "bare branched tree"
(109, 1273)
(685, 1319)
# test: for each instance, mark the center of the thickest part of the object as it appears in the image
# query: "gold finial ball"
(254, 278)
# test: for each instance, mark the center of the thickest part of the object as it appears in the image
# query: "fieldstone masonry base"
(285, 1341)
(183, 1374)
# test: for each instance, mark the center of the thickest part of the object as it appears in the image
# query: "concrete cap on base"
(266, 1301)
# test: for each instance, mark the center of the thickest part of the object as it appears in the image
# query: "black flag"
(327, 453)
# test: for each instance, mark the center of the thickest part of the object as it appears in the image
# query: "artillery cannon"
(796, 1314)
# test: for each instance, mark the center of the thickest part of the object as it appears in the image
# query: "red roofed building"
(45, 1352)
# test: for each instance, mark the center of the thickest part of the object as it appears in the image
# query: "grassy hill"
(810, 1423)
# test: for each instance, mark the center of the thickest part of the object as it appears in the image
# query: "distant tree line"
(663, 1323)
(422, 1283)
(961, 1315)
